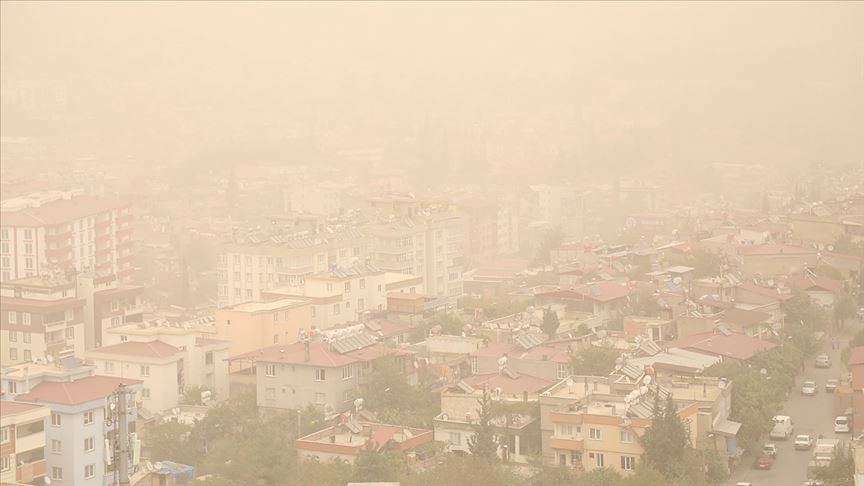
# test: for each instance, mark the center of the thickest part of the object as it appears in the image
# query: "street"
(812, 415)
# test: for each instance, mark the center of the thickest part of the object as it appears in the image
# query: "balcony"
(569, 444)
(63, 237)
(134, 309)
(54, 326)
(26, 473)
(127, 231)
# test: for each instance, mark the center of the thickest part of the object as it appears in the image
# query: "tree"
(705, 264)
(550, 322)
(482, 444)
(600, 477)
(450, 324)
(840, 471)
(170, 441)
(594, 361)
(466, 471)
(394, 400)
(844, 308)
(374, 465)
(644, 303)
(645, 476)
(666, 440)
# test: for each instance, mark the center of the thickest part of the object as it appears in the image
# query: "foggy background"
(513, 91)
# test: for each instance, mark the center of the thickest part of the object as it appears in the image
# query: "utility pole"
(123, 435)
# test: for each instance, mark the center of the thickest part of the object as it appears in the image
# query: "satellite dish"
(763, 372)
(677, 280)
(646, 380)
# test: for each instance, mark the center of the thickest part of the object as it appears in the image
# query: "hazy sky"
(755, 81)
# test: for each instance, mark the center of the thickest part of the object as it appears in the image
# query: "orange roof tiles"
(8, 408)
(151, 349)
(75, 392)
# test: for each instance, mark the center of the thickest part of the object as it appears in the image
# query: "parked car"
(841, 424)
(782, 427)
(743, 483)
(770, 450)
(831, 385)
(763, 462)
(813, 482)
(803, 442)
(809, 388)
(823, 361)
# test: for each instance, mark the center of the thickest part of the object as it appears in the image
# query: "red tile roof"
(807, 282)
(750, 250)
(319, 355)
(737, 346)
(510, 386)
(8, 408)
(75, 392)
(151, 349)
(764, 291)
(857, 356)
(62, 211)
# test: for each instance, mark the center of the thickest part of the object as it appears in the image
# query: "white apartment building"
(204, 357)
(260, 263)
(64, 230)
(158, 365)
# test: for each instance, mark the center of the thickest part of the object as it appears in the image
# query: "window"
(70, 333)
(379, 287)
(562, 371)
(362, 283)
(4, 233)
(275, 339)
(313, 311)
(474, 364)
(360, 304)
(115, 321)
(565, 430)
(347, 372)
(28, 248)
(208, 357)
(28, 234)
(56, 419)
(455, 438)
(28, 356)
(628, 463)
(13, 354)
(320, 374)
(237, 292)
(25, 318)
(249, 293)
(320, 398)
(13, 317)
(347, 304)
(269, 370)
(145, 393)
(145, 370)
(336, 308)
(575, 458)
(626, 436)
(88, 444)
(26, 337)
(270, 394)
(123, 338)
(347, 287)
(57, 473)
(5, 465)
(347, 395)
(115, 305)
(594, 434)
(89, 471)
(13, 387)
(88, 417)
(13, 336)
(600, 460)
(4, 435)
(56, 447)
(109, 366)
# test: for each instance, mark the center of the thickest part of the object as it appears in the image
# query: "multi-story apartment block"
(324, 374)
(204, 358)
(76, 432)
(158, 365)
(42, 318)
(110, 303)
(22, 443)
(254, 325)
(65, 230)
(250, 266)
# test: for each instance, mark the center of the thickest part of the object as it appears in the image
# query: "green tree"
(374, 465)
(550, 322)
(311, 471)
(192, 395)
(844, 308)
(666, 440)
(394, 400)
(482, 444)
(600, 477)
(594, 361)
(705, 264)
(644, 303)
(450, 324)
(645, 476)
(170, 441)
(841, 470)
(467, 471)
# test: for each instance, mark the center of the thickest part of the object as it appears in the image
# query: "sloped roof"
(857, 356)
(151, 349)
(75, 392)
(8, 408)
(737, 346)
(511, 386)
(808, 282)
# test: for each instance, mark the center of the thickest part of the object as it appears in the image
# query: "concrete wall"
(295, 387)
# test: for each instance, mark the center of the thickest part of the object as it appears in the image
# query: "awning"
(726, 427)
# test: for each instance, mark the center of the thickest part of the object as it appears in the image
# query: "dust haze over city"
(432, 243)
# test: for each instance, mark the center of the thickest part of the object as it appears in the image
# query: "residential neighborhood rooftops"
(151, 349)
(754, 250)
(8, 408)
(61, 210)
(75, 392)
(737, 346)
(810, 281)
(269, 306)
(515, 384)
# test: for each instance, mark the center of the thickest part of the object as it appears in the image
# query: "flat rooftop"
(270, 306)
(575, 387)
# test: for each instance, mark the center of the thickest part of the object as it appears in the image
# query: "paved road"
(810, 415)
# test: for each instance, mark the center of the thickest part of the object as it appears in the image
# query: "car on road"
(743, 483)
(770, 450)
(841, 424)
(831, 384)
(809, 388)
(804, 442)
(813, 482)
(781, 428)
(823, 361)
(763, 461)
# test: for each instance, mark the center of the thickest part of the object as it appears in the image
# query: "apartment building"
(774, 260)
(42, 318)
(157, 365)
(110, 303)
(65, 230)
(346, 441)
(20, 378)
(428, 244)
(76, 432)
(204, 357)
(257, 263)
(254, 325)
(320, 373)
(22, 443)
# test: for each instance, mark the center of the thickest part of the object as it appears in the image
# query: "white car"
(803, 442)
(809, 388)
(841, 424)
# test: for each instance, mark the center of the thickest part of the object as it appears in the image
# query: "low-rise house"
(158, 365)
(22, 442)
(822, 290)
(528, 356)
(79, 425)
(345, 441)
(738, 347)
(603, 299)
(771, 260)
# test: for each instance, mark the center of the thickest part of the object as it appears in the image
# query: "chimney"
(305, 350)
